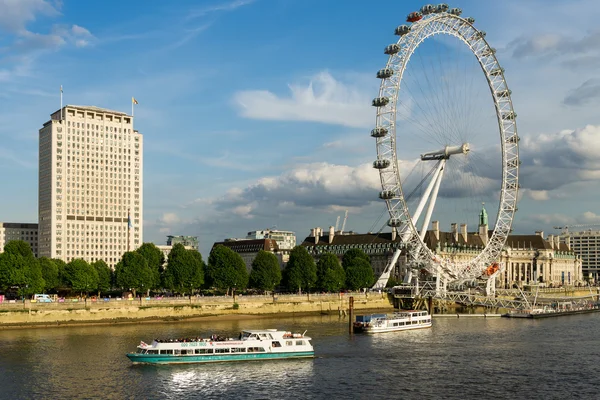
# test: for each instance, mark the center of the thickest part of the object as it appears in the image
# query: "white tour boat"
(398, 321)
(250, 345)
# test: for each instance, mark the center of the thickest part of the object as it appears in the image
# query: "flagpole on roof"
(61, 103)
(129, 219)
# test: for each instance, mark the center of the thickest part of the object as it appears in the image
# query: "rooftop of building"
(449, 239)
(249, 245)
(18, 225)
(94, 109)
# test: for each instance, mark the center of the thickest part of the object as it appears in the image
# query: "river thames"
(458, 358)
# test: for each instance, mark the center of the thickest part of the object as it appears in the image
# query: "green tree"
(266, 272)
(104, 276)
(226, 269)
(351, 255)
(330, 274)
(49, 273)
(300, 271)
(359, 274)
(132, 273)
(22, 268)
(184, 272)
(18, 247)
(12, 271)
(80, 276)
(61, 265)
(156, 259)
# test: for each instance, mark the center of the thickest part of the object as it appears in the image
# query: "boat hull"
(550, 314)
(395, 329)
(137, 358)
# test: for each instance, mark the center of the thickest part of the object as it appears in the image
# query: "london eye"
(446, 140)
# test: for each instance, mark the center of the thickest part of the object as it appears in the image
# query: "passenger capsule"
(488, 51)
(504, 93)
(378, 132)
(380, 101)
(381, 164)
(385, 73)
(402, 30)
(471, 20)
(414, 16)
(513, 139)
(509, 116)
(427, 9)
(394, 222)
(443, 7)
(482, 34)
(455, 11)
(497, 71)
(387, 194)
(392, 49)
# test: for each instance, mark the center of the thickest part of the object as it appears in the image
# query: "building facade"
(166, 249)
(379, 247)
(10, 231)
(527, 259)
(586, 244)
(248, 249)
(186, 241)
(286, 240)
(90, 185)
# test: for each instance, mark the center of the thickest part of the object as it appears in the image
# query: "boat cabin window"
(176, 351)
(256, 349)
(238, 349)
(299, 342)
(276, 344)
(289, 343)
(152, 351)
(204, 351)
(221, 351)
(187, 351)
(166, 352)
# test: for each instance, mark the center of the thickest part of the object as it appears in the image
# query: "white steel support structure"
(438, 20)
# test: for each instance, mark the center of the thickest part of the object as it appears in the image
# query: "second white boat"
(398, 321)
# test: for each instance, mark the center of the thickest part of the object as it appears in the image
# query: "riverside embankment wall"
(71, 312)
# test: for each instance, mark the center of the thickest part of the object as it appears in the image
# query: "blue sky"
(257, 113)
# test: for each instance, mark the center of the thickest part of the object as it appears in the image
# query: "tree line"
(183, 272)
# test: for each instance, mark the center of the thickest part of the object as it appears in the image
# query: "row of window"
(95, 127)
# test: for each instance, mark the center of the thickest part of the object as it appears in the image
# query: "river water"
(458, 358)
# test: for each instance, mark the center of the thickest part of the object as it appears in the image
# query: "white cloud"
(586, 93)
(23, 46)
(323, 99)
(318, 185)
(229, 6)
(551, 161)
(17, 13)
(538, 195)
(169, 218)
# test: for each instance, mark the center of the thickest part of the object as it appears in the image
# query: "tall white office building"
(90, 185)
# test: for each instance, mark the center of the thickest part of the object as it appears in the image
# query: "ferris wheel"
(440, 113)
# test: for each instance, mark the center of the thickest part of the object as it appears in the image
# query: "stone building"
(379, 247)
(10, 231)
(528, 259)
(248, 249)
(90, 185)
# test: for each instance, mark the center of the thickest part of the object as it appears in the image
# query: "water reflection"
(249, 378)
(455, 358)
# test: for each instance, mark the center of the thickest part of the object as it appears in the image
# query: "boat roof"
(261, 330)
